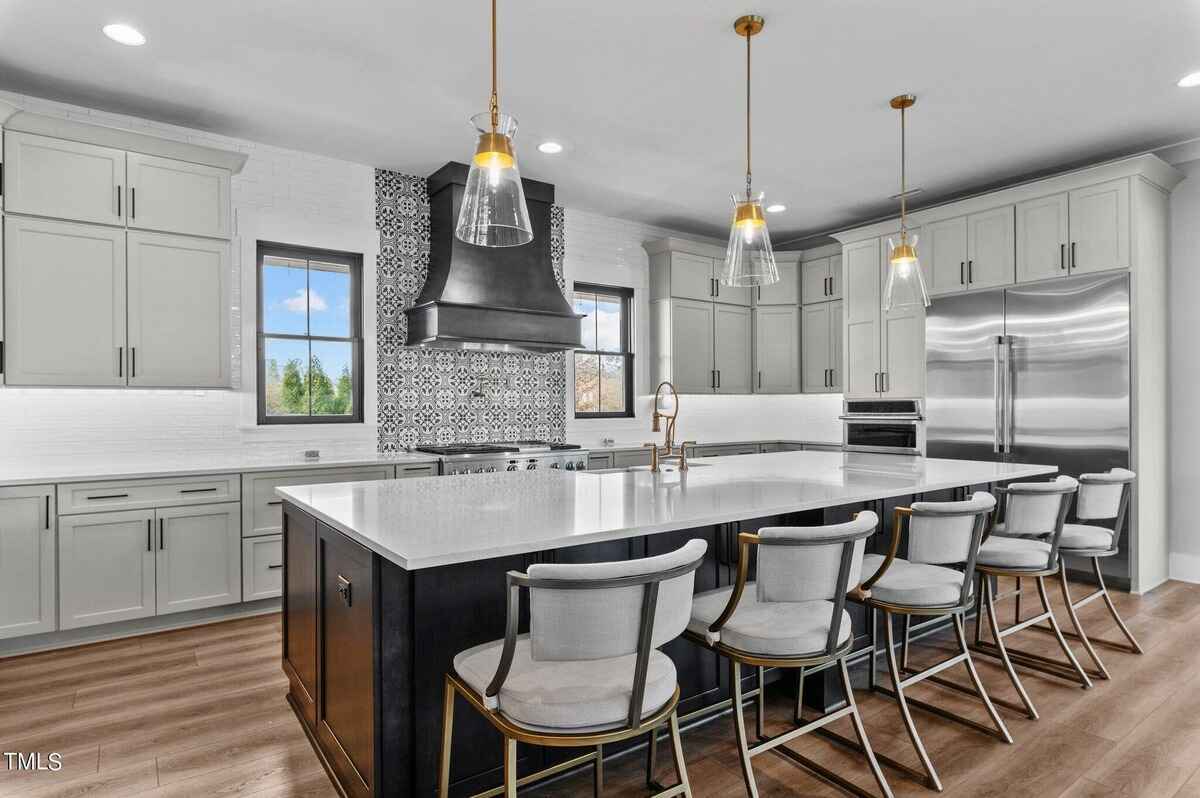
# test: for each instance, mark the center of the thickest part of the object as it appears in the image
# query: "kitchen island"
(386, 581)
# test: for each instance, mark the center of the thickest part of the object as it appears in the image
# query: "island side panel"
(397, 730)
(300, 596)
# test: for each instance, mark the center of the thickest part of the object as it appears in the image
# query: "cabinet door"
(692, 346)
(178, 311)
(784, 292)
(814, 338)
(262, 567)
(777, 349)
(814, 281)
(943, 247)
(1099, 220)
(732, 338)
(1042, 238)
(28, 590)
(63, 179)
(902, 349)
(862, 309)
(300, 601)
(692, 277)
(836, 331)
(991, 248)
(178, 197)
(64, 303)
(835, 277)
(199, 557)
(106, 567)
(262, 510)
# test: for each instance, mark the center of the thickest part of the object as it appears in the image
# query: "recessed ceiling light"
(550, 147)
(124, 34)
(776, 208)
(1190, 80)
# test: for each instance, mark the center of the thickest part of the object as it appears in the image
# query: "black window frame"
(625, 294)
(354, 260)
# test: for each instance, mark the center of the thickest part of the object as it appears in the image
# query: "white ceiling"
(647, 95)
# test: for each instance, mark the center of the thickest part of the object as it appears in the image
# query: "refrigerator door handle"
(997, 395)
(1008, 394)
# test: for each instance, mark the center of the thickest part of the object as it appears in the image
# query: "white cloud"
(306, 300)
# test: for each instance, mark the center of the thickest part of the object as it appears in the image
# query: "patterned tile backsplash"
(449, 396)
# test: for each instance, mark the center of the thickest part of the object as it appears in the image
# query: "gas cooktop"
(502, 447)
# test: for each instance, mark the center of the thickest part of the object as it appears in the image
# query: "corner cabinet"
(28, 576)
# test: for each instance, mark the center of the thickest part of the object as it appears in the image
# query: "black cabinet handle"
(1072, 254)
(132, 203)
(197, 490)
(120, 361)
(718, 379)
(718, 284)
(960, 273)
(109, 496)
(160, 534)
(47, 511)
(118, 199)
(760, 379)
(970, 271)
(149, 546)
(133, 361)
(343, 589)
(273, 503)
(274, 567)
(1062, 256)
(877, 382)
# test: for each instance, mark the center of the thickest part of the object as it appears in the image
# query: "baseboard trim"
(1185, 567)
(50, 641)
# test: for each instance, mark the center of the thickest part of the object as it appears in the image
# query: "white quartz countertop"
(424, 523)
(39, 470)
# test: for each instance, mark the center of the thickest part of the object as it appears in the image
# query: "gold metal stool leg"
(1062, 642)
(860, 731)
(1112, 609)
(961, 633)
(1080, 634)
(677, 756)
(760, 705)
(510, 767)
(931, 777)
(598, 772)
(739, 727)
(990, 604)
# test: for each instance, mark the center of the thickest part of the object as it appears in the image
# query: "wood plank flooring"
(201, 712)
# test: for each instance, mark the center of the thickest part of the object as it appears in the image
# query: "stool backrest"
(1034, 508)
(1103, 496)
(596, 610)
(941, 533)
(806, 563)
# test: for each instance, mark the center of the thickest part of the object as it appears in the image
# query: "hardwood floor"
(201, 712)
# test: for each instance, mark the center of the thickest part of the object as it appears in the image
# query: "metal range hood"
(495, 299)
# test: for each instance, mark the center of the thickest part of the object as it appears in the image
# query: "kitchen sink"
(663, 469)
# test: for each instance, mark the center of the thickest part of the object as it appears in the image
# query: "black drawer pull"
(274, 567)
(275, 502)
(197, 490)
(343, 589)
(109, 496)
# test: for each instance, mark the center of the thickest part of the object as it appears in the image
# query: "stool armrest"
(898, 517)
(512, 618)
(745, 541)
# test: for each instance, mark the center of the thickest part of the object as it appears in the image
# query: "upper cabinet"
(821, 279)
(777, 349)
(1043, 236)
(969, 252)
(63, 179)
(177, 197)
(690, 270)
(787, 290)
(1099, 223)
(82, 182)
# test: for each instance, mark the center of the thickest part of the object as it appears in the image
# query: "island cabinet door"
(300, 610)
(346, 642)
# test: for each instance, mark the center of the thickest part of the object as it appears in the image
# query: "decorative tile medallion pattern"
(448, 396)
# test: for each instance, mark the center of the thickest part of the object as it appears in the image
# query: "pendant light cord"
(748, 35)
(903, 181)
(495, 102)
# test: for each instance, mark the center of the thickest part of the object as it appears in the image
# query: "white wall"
(1183, 374)
(281, 195)
(609, 251)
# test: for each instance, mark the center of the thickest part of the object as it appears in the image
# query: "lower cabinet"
(262, 509)
(120, 566)
(27, 572)
(262, 567)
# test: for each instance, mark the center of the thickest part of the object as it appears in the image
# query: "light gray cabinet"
(106, 567)
(684, 269)
(178, 317)
(63, 179)
(683, 344)
(262, 567)
(28, 585)
(901, 344)
(691, 276)
(64, 300)
(821, 279)
(777, 349)
(1100, 227)
(173, 196)
(633, 457)
(787, 290)
(1043, 235)
(821, 336)
(732, 337)
(199, 557)
(969, 252)
(262, 510)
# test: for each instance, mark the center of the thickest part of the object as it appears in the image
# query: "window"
(309, 335)
(604, 366)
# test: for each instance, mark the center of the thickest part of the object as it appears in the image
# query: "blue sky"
(307, 301)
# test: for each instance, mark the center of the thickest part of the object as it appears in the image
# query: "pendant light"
(905, 283)
(749, 260)
(493, 212)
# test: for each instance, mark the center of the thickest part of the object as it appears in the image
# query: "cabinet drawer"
(600, 461)
(416, 470)
(261, 511)
(631, 458)
(262, 567)
(90, 497)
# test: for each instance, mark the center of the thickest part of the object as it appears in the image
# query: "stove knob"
(479, 470)
(531, 465)
(454, 472)
(490, 469)
(581, 466)
(554, 465)
(511, 467)
(570, 466)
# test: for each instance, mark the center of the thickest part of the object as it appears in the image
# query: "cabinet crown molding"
(1149, 167)
(69, 129)
(660, 245)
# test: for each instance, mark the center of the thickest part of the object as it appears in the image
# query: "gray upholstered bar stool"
(940, 534)
(1034, 514)
(1101, 497)
(792, 616)
(589, 672)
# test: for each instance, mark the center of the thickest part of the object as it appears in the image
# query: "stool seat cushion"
(913, 584)
(566, 695)
(1085, 536)
(1001, 552)
(768, 628)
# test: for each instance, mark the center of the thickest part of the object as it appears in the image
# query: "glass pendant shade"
(905, 282)
(493, 212)
(749, 259)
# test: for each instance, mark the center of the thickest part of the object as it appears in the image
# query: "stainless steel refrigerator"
(1035, 374)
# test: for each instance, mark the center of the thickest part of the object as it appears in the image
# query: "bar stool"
(1034, 515)
(792, 616)
(1101, 497)
(589, 672)
(939, 534)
